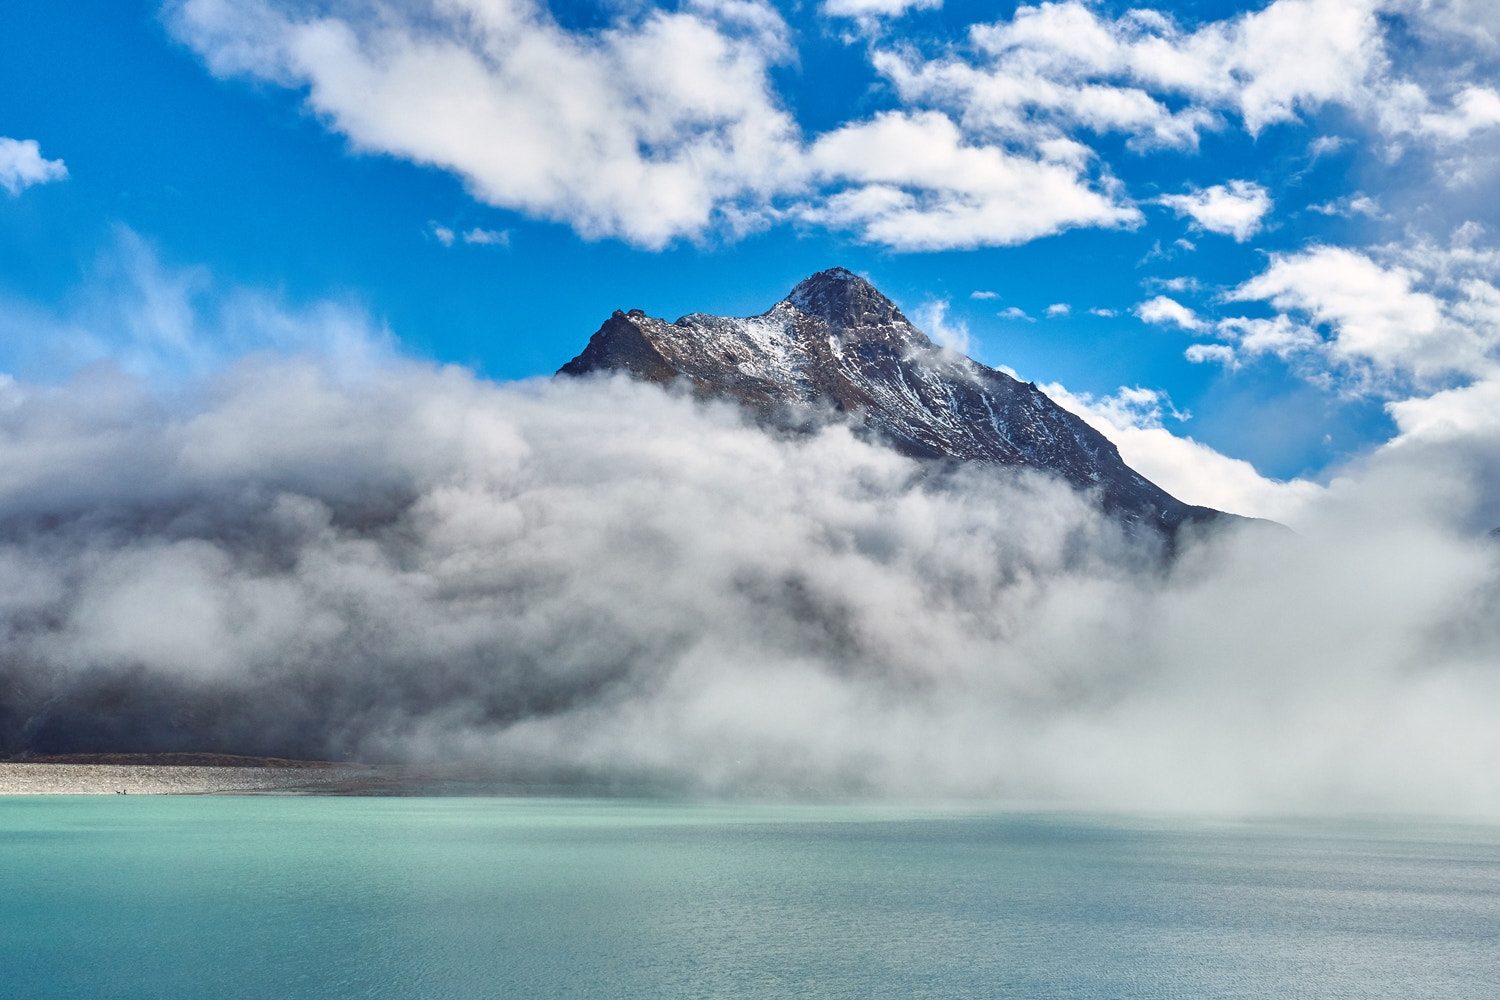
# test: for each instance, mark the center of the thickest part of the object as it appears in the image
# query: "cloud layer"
(296, 556)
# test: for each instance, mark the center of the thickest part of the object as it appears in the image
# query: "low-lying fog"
(397, 561)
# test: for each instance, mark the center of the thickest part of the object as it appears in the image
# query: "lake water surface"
(417, 898)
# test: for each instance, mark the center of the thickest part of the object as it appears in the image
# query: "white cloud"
(860, 9)
(1106, 313)
(1376, 313)
(1233, 210)
(1014, 312)
(667, 124)
(488, 237)
(474, 237)
(1181, 283)
(1191, 471)
(1166, 311)
(1221, 354)
(1058, 309)
(920, 185)
(1399, 319)
(1476, 21)
(984, 295)
(1065, 66)
(604, 576)
(1325, 145)
(647, 130)
(21, 165)
(1475, 108)
(1280, 335)
(1450, 415)
(1409, 109)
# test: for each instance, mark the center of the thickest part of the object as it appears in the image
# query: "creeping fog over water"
(393, 561)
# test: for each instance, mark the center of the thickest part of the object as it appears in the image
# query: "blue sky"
(1271, 225)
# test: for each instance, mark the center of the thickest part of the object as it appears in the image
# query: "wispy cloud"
(487, 237)
(447, 236)
(932, 317)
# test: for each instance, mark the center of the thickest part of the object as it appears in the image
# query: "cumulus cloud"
(668, 124)
(918, 184)
(1066, 66)
(1377, 314)
(646, 131)
(1057, 309)
(1221, 354)
(22, 165)
(1165, 311)
(1416, 323)
(1237, 209)
(984, 295)
(664, 126)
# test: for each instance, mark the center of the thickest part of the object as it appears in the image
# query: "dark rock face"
(836, 341)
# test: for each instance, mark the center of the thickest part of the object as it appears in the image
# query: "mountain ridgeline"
(836, 342)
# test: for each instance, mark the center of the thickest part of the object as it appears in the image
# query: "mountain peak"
(844, 300)
(837, 344)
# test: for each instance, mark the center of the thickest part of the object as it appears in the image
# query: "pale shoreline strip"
(150, 779)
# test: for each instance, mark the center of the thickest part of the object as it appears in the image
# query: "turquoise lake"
(417, 898)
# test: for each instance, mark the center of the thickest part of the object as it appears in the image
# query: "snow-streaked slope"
(835, 341)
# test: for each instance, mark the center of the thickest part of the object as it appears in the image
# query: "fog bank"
(404, 562)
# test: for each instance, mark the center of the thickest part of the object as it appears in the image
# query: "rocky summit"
(836, 342)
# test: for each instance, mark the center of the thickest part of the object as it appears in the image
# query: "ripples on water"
(283, 899)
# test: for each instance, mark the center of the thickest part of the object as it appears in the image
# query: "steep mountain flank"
(836, 341)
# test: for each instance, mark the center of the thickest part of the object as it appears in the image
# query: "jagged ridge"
(837, 341)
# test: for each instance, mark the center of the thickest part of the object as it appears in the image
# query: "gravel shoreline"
(151, 779)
